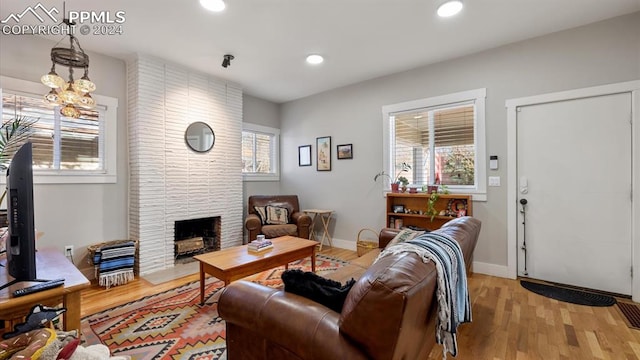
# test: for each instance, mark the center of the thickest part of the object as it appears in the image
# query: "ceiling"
(360, 39)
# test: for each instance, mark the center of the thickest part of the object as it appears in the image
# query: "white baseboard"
(342, 244)
(491, 269)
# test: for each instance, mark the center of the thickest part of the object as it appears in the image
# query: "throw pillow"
(404, 235)
(327, 292)
(277, 215)
(262, 213)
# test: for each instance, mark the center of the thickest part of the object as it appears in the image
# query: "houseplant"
(404, 182)
(13, 133)
(404, 167)
(433, 198)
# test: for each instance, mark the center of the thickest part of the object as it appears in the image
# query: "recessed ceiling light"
(213, 5)
(315, 59)
(449, 8)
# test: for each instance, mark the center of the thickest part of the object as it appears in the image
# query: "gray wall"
(260, 112)
(75, 214)
(600, 53)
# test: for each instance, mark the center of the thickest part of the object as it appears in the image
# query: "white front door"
(574, 170)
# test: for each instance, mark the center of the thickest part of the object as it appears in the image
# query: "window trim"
(478, 96)
(275, 154)
(109, 175)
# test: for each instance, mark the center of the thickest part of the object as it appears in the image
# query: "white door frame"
(512, 189)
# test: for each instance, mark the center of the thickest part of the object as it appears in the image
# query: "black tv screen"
(21, 242)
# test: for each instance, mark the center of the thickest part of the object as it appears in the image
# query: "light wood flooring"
(509, 322)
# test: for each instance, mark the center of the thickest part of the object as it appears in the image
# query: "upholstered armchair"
(276, 215)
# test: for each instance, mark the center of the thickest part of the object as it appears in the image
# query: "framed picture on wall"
(345, 151)
(304, 155)
(323, 153)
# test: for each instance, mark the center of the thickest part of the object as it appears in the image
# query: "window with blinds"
(438, 143)
(59, 143)
(441, 138)
(260, 152)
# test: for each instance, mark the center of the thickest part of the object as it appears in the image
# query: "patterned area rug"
(173, 324)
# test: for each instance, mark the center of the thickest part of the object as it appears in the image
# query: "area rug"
(569, 295)
(173, 324)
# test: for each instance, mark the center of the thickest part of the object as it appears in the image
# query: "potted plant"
(431, 205)
(433, 198)
(395, 184)
(13, 133)
(404, 182)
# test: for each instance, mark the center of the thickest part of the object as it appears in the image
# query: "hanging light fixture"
(69, 94)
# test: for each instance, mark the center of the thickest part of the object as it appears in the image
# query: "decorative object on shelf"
(432, 189)
(404, 167)
(457, 207)
(398, 209)
(199, 137)
(72, 94)
(345, 151)
(304, 155)
(323, 155)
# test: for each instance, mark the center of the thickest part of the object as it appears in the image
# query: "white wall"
(600, 53)
(75, 214)
(260, 112)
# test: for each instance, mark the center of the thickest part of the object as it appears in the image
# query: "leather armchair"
(389, 314)
(298, 225)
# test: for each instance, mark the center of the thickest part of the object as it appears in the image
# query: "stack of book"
(260, 245)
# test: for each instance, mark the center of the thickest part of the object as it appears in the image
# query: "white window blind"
(59, 143)
(441, 138)
(438, 143)
(66, 151)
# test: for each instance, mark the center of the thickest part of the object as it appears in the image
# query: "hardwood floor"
(509, 322)
(96, 298)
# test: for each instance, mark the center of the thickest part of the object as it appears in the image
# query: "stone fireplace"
(169, 182)
(196, 236)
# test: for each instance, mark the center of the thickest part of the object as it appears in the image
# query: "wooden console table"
(51, 264)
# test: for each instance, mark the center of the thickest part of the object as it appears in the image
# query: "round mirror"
(199, 137)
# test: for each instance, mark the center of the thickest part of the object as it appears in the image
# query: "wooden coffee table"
(237, 262)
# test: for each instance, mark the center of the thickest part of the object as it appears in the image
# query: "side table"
(325, 218)
(51, 264)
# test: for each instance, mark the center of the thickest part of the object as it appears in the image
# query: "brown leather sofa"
(389, 313)
(298, 225)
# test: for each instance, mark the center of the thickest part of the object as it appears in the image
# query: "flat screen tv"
(21, 242)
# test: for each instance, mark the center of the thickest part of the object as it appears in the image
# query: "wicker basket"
(93, 248)
(364, 246)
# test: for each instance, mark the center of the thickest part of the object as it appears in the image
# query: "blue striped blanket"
(454, 307)
(114, 263)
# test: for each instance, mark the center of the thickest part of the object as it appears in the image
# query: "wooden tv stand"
(50, 264)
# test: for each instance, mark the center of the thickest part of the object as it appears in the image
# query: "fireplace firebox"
(196, 236)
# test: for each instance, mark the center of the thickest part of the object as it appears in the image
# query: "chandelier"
(72, 94)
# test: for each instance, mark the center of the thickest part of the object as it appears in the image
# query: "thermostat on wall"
(493, 162)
